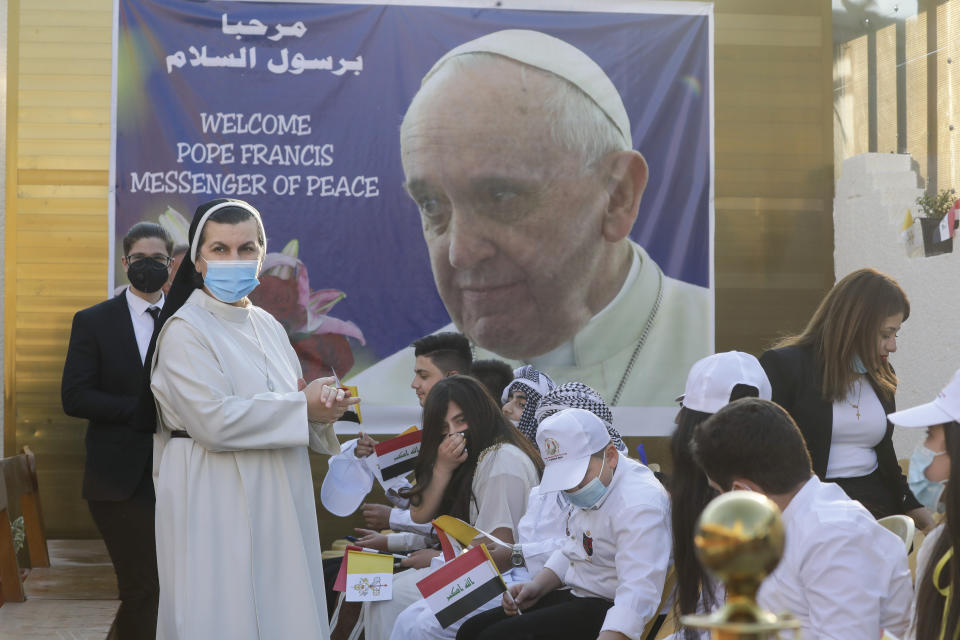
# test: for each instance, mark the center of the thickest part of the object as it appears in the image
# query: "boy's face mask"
(927, 491)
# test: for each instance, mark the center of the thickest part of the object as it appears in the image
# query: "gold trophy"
(740, 541)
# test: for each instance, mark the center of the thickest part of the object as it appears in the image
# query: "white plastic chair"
(902, 526)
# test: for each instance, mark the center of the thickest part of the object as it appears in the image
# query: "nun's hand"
(325, 401)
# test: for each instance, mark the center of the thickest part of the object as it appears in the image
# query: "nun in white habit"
(238, 549)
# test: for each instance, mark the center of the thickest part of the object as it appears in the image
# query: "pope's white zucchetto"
(560, 58)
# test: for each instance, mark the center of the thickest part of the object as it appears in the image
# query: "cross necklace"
(859, 393)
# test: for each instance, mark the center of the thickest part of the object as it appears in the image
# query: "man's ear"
(451, 373)
(742, 484)
(612, 455)
(627, 175)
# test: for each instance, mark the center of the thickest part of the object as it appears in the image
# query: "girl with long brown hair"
(464, 433)
(937, 611)
(473, 465)
(837, 383)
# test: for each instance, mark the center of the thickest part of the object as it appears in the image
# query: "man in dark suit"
(104, 381)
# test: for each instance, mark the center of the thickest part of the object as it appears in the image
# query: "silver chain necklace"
(641, 342)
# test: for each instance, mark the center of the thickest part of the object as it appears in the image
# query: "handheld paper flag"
(454, 535)
(457, 588)
(398, 456)
(340, 584)
(352, 414)
(369, 576)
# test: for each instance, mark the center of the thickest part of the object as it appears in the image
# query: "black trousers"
(559, 614)
(127, 530)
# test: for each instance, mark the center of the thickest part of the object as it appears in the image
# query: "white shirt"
(621, 549)
(842, 575)
(400, 520)
(142, 320)
(852, 444)
(501, 483)
(409, 535)
(542, 529)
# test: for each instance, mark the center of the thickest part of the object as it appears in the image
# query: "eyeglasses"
(162, 259)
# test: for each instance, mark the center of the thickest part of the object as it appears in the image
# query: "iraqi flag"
(459, 587)
(398, 456)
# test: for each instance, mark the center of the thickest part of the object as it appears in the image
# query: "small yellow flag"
(364, 562)
(410, 430)
(907, 221)
(457, 529)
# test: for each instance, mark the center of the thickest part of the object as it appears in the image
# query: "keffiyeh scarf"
(535, 384)
(576, 395)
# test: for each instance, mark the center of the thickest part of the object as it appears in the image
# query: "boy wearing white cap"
(842, 574)
(617, 547)
(937, 614)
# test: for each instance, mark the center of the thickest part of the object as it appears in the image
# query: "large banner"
(503, 204)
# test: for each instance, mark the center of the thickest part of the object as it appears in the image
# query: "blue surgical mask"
(590, 494)
(926, 491)
(858, 365)
(231, 280)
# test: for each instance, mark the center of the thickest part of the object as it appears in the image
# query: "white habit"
(238, 549)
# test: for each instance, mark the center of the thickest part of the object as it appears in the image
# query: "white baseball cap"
(345, 485)
(944, 408)
(712, 379)
(567, 439)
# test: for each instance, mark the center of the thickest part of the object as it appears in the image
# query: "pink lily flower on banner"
(319, 339)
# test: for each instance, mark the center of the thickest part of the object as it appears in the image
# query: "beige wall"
(774, 186)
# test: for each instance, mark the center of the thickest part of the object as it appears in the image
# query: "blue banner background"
(373, 248)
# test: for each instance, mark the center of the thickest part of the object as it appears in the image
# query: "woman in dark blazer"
(837, 383)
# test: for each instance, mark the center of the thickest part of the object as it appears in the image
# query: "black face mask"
(147, 275)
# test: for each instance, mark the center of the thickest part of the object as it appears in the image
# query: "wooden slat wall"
(774, 167)
(58, 230)
(774, 189)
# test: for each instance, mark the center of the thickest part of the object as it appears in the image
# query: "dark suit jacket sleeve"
(79, 390)
(889, 466)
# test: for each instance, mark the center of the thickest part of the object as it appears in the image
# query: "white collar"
(139, 305)
(801, 500)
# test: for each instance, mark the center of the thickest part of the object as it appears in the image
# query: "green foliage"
(19, 536)
(936, 206)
